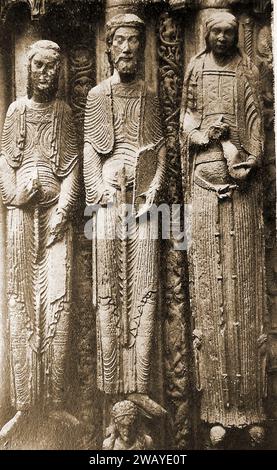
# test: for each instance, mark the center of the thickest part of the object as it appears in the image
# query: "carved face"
(125, 426)
(125, 50)
(44, 71)
(222, 38)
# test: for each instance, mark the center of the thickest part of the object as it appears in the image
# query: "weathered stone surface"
(221, 156)
(174, 34)
(39, 186)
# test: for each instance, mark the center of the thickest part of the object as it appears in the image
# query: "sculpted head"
(222, 33)
(125, 43)
(125, 415)
(44, 60)
(257, 436)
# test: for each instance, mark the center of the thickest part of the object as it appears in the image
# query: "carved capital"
(200, 4)
(37, 7)
(116, 7)
(218, 3)
(262, 6)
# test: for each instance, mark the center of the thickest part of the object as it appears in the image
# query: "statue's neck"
(32, 103)
(222, 60)
(42, 98)
(125, 78)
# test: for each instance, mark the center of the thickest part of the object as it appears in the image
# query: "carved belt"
(223, 192)
(209, 157)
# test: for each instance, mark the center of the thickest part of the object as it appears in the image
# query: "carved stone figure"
(39, 186)
(222, 148)
(125, 433)
(124, 156)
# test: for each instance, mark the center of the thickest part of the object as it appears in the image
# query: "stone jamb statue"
(222, 148)
(39, 187)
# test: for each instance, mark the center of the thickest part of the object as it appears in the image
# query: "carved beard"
(126, 67)
(46, 95)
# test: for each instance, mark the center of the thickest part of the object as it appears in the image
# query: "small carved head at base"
(125, 43)
(125, 415)
(217, 435)
(126, 431)
(44, 60)
(257, 436)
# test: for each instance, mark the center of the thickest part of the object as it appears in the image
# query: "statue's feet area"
(12, 427)
(236, 438)
(58, 430)
(64, 418)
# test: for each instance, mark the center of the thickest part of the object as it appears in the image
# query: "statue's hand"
(108, 196)
(199, 138)
(57, 228)
(218, 132)
(31, 190)
(150, 198)
(249, 164)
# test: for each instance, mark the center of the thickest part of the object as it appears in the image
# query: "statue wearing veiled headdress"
(222, 149)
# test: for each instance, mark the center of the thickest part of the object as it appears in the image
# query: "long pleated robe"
(38, 142)
(120, 120)
(227, 262)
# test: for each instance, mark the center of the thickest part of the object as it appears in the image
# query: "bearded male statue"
(39, 187)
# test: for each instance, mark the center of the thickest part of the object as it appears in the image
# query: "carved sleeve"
(92, 175)
(188, 97)
(64, 155)
(7, 182)
(10, 156)
(190, 117)
(254, 115)
(190, 120)
(159, 178)
(98, 125)
(69, 191)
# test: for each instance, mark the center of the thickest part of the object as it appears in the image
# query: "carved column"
(4, 346)
(81, 75)
(137, 7)
(264, 60)
(112, 8)
(176, 325)
(248, 27)
(25, 33)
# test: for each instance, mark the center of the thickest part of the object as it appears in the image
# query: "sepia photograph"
(138, 256)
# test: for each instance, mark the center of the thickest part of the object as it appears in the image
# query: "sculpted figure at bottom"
(39, 187)
(124, 166)
(126, 432)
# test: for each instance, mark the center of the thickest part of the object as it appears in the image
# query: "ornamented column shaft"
(81, 69)
(176, 325)
(4, 346)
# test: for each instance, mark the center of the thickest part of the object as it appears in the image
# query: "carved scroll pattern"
(248, 36)
(176, 311)
(265, 64)
(262, 6)
(81, 79)
(81, 65)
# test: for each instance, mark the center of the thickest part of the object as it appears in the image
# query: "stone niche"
(174, 34)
